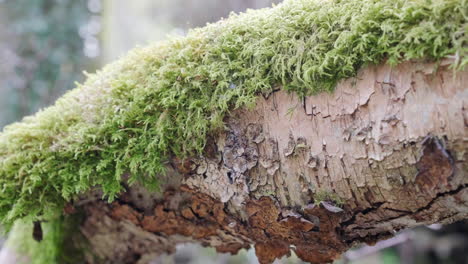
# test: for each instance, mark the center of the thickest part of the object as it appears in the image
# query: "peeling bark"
(391, 143)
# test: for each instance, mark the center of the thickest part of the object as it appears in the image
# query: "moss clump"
(164, 99)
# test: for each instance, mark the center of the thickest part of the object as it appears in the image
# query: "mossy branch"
(165, 99)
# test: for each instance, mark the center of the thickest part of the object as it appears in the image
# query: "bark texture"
(390, 143)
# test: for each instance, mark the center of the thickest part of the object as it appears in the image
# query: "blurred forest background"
(45, 45)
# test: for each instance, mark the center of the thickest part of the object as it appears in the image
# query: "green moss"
(165, 99)
(55, 246)
(324, 196)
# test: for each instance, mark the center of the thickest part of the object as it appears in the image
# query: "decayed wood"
(391, 143)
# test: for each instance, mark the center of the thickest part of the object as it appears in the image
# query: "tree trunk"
(384, 152)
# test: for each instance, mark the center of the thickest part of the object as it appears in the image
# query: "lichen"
(163, 100)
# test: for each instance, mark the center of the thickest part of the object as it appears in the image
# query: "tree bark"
(391, 144)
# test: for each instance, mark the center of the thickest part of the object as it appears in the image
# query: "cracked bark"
(390, 142)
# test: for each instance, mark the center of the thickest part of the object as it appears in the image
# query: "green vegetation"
(165, 99)
(55, 246)
(324, 196)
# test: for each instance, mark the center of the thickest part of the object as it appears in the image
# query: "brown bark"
(391, 143)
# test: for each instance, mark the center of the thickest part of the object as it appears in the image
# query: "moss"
(165, 99)
(324, 196)
(55, 247)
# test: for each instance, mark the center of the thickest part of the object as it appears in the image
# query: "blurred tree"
(42, 48)
(130, 23)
